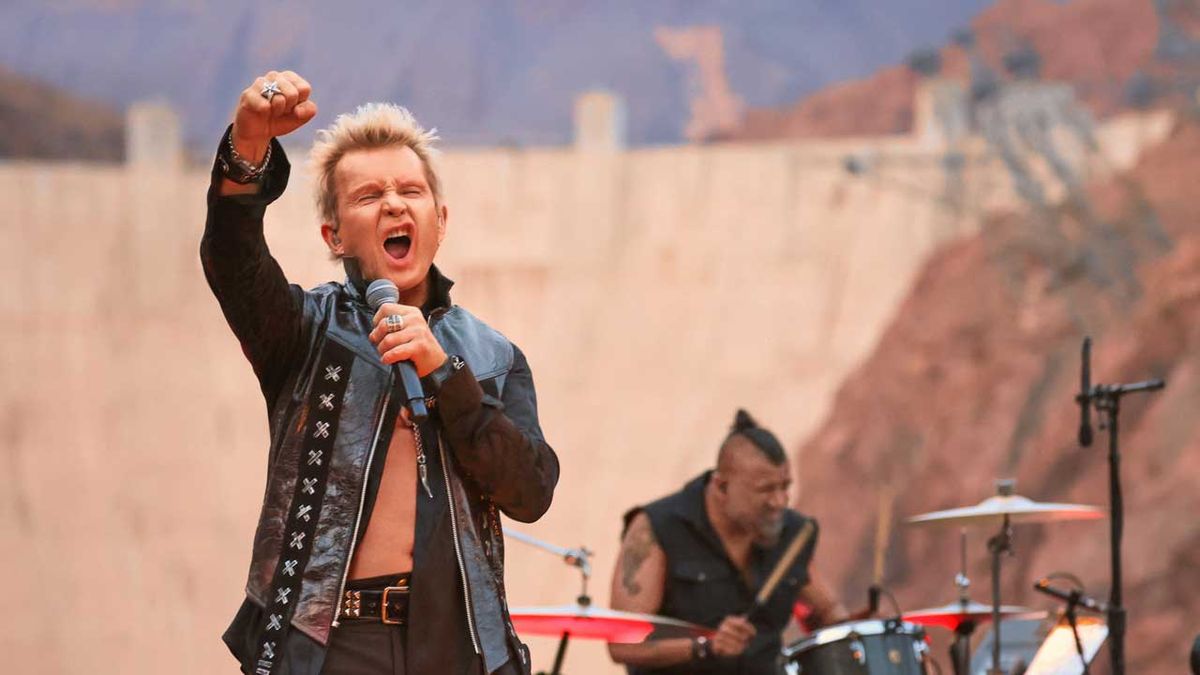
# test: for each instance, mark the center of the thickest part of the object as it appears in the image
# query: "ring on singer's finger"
(269, 89)
(394, 322)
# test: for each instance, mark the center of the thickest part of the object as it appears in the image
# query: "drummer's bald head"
(746, 436)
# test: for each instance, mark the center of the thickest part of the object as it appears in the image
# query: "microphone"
(1085, 395)
(383, 291)
(1072, 597)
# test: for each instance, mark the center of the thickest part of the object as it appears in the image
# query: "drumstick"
(785, 562)
(883, 531)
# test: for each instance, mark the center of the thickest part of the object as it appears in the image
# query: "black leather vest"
(338, 321)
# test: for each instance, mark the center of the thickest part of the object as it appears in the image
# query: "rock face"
(975, 378)
(880, 104)
(1109, 50)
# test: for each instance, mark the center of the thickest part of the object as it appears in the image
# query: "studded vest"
(324, 436)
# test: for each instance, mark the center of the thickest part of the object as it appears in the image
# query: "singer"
(379, 545)
(701, 553)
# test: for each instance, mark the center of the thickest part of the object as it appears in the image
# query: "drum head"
(842, 631)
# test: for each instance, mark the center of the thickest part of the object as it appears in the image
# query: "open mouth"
(397, 246)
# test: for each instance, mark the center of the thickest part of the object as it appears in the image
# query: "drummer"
(700, 555)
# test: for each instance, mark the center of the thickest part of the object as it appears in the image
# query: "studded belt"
(388, 605)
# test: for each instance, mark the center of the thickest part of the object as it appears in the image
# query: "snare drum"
(876, 647)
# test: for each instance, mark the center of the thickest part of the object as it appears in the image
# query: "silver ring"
(395, 323)
(270, 88)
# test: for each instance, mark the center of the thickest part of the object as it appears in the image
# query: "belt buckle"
(383, 610)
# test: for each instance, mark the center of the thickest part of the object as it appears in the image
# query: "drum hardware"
(963, 616)
(1074, 600)
(1005, 509)
(584, 620)
(590, 622)
(960, 649)
(998, 545)
(575, 557)
(1106, 398)
(858, 651)
(954, 615)
(871, 647)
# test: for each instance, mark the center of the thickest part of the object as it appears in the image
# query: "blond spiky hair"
(373, 125)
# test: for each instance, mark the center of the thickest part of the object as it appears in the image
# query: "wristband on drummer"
(701, 649)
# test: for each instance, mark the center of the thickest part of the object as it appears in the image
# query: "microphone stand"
(1106, 398)
(1072, 619)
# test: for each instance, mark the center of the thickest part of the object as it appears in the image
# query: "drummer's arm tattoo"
(639, 544)
(637, 586)
(641, 569)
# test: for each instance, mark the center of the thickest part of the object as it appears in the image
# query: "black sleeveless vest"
(703, 585)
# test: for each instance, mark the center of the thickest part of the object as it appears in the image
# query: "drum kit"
(583, 619)
(898, 645)
(890, 645)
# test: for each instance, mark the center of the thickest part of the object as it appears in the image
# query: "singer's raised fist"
(259, 118)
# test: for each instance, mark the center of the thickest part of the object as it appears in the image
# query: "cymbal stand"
(998, 546)
(575, 557)
(960, 649)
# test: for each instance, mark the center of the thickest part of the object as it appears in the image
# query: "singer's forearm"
(262, 309)
(500, 448)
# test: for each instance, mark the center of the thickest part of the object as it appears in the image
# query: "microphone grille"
(381, 291)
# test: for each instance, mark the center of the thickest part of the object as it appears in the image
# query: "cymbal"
(952, 615)
(1018, 509)
(600, 623)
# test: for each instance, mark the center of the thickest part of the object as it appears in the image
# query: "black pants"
(358, 647)
(366, 648)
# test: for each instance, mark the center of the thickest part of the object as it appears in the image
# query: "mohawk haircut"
(746, 428)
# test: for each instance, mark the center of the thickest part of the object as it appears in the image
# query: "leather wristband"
(237, 169)
(449, 367)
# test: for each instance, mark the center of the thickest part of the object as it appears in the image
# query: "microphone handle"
(414, 393)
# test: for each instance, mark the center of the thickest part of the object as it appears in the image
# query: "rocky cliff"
(974, 380)
(1115, 53)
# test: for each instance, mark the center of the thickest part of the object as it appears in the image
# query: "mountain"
(483, 72)
(44, 122)
(1117, 54)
